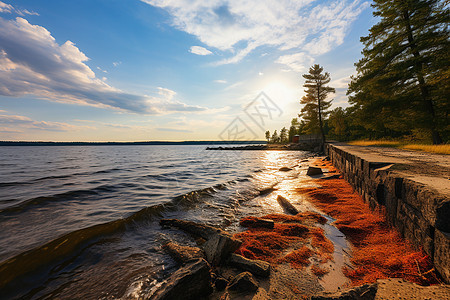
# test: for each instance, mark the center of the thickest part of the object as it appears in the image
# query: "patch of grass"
(379, 143)
(440, 149)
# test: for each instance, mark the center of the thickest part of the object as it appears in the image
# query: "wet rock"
(183, 254)
(364, 292)
(287, 205)
(253, 222)
(256, 267)
(200, 230)
(285, 169)
(314, 171)
(266, 191)
(243, 282)
(220, 283)
(192, 281)
(219, 246)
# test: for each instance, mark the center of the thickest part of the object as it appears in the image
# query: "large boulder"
(192, 281)
(256, 267)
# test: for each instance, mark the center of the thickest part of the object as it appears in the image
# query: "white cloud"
(242, 26)
(9, 9)
(6, 8)
(298, 62)
(199, 50)
(116, 63)
(341, 83)
(220, 81)
(15, 123)
(33, 63)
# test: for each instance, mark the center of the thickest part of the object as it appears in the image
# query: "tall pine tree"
(315, 107)
(403, 75)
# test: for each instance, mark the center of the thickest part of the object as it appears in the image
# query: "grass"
(440, 149)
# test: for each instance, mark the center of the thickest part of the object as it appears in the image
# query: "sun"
(281, 93)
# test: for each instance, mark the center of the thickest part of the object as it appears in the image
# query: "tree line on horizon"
(402, 86)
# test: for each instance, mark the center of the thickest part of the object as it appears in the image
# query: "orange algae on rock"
(379, 251)
(288, 232)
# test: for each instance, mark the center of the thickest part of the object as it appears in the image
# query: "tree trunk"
(424, 91)
(320, 118)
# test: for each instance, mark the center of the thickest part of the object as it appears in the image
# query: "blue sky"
(115, 70)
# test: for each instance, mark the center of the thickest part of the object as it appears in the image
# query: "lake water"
(83, 220)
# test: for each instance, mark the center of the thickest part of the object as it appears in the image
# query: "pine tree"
(293, 130)
(315, 106)
(403, 76)
(275, 138)
(283, 135)
(268, 136)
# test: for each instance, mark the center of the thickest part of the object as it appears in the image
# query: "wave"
(64, 247)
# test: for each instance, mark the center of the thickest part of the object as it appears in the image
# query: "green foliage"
(283, 136)
(275, 138)
(268, 136)
(402, 81)
(316, 107)
(294, 129)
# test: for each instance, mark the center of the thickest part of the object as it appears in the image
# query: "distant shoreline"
(25, 143)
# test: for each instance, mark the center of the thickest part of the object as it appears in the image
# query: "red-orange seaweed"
(318, 271)
(268, 244)
(298, 258)
(379, 251)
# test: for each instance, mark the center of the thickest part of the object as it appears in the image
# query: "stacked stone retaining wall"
(419, 213)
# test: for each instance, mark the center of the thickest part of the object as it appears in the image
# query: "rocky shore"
(278, 255)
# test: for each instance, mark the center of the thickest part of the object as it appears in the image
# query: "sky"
(175, 70)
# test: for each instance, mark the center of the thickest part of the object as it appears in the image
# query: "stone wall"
(419, 213)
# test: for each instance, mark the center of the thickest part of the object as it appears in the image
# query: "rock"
(266, 191)
(364, 292)
(183, 254)
(287, 205)
(219, 246)
(253, 222)
(285, 169)
(256, 267)
(192, 281)
(243, 282)
(201, 230)
(220, 283)
(314, 171)
(441, 254)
